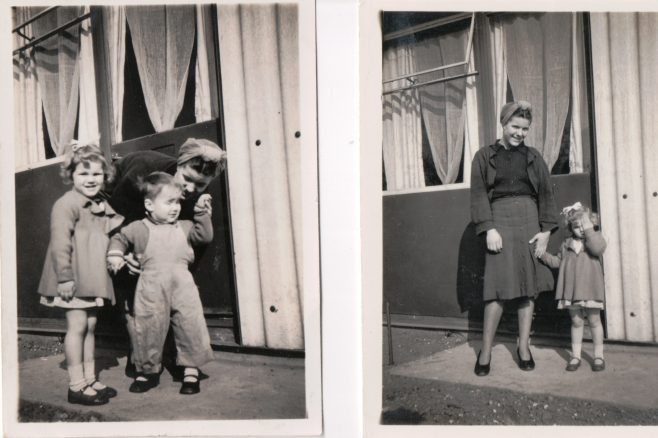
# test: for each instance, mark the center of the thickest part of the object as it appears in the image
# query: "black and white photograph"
(162, 270)
(508, 182)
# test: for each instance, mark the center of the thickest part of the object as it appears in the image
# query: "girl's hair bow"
(572, 208)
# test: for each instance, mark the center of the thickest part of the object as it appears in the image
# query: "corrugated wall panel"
(625, 144)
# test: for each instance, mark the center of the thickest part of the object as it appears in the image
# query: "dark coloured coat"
(124, 194)
(483, 175)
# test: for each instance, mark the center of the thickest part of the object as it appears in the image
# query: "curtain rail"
(426, 26)
(33, 18)
(469, 46)
(435, 81)
(431, 70)
(52, 32)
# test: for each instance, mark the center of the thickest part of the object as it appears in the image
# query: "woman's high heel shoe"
(482, 370)
(525, 365)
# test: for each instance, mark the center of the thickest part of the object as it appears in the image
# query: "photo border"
(371, 130)
(310, 426)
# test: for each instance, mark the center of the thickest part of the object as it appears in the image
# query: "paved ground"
(240, 386)
(432, 382)
(629, 379)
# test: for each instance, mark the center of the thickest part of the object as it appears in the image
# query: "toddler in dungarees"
(165, 290)
(580, 285)
(75, 276)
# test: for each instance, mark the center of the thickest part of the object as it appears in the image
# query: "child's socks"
(90, 376)
(191, 374)
(77, 380)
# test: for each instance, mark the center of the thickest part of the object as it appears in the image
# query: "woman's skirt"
(514, 271)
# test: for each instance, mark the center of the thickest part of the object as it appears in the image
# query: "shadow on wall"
(470, 276)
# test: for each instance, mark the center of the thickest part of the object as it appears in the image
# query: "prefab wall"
(625, 65)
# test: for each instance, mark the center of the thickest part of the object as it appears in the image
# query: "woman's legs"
(577, 324)
(595, 326)
(524, 314)
(493, 310)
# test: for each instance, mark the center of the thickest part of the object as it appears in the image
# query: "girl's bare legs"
(524, 313)
(74, 346)
(594, 318)
(89, 350)
(493, 310)
(577, 324)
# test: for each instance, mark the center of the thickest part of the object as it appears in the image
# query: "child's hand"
(203, 204)
(586, 222)
(66, 290)
(115, 263)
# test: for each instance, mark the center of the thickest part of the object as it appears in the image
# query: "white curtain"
(402, 136)
(163, 39)
(261, 101)
(579, 134)
(624, 66)
(28, 129)
(88, 112)
(114, 40)
(538, 55)
(58, 72)
(442, 104)
(206, 101)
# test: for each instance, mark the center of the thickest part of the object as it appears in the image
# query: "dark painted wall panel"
(38, 189)
(434, 262)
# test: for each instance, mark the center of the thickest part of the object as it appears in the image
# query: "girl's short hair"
(151, 185)
(84, 154)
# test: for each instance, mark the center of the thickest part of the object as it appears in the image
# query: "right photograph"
(519, 277)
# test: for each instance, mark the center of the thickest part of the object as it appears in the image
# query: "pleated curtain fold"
(58, 73)
(442, 104)
(538, 55)
(163, 39)
(28, 129)
(88, 112)
(260, 89)
(206, 98)
(402, 137)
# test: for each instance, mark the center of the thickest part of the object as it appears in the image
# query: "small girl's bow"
(575, 207)
(75, 144)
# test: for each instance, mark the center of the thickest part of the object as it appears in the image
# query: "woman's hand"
(540, 240)
(494, 241)
(66, 290)
(133, 264)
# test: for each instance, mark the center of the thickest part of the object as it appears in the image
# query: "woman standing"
(512, 202)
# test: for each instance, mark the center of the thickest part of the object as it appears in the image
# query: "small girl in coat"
(580, 281)
(75, 275)
(165, 290)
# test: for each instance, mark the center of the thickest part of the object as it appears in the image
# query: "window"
(432, 131)
(59, 80)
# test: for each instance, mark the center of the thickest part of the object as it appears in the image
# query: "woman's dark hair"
(524, 113)
(203, 167)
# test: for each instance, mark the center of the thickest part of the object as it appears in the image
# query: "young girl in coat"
(165, 290)
(75, 275)
(580, 281)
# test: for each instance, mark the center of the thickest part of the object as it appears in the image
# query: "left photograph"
(166, 237)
